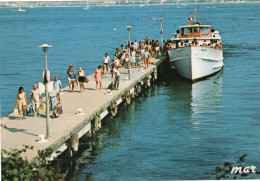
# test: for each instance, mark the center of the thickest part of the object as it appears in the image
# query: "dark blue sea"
(176, 130)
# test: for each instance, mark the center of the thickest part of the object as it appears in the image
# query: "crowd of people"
(188, 43)
(36, 100)
(135, 54)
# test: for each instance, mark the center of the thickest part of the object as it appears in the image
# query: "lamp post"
(161, 19)
(46, 79)
(129, 45)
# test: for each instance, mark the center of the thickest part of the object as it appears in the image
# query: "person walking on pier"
(71, 77)
(34, 100)
(21, 102)
(126, 62)
(53, 103)
(146, 57)
(81, 79)
(57, 87)
(157, 47)
(106, 62)
(117, 62)
(117, 77)
(98, 77)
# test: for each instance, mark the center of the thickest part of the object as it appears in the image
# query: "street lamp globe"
(128, 27)
(45, 47)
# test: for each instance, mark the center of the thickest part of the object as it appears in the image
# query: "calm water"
(175, 131)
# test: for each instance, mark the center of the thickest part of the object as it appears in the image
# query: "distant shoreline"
(44, 3)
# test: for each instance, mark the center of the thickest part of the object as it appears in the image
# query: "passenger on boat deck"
(71, 77)
(178, 44)
(218, 46)
(195, 42)
(21, 102)
(98, 77)
(214, 43)
(122, 47)
(181, 44)
(106, 62)
(81, 79)
(173, 45)
(168, 46)
(186, 43)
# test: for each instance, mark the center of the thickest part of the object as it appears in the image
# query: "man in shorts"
(35, 101)
(146, 57)
(71, 77)
(106, 62)
(157, 48)
(57, 87)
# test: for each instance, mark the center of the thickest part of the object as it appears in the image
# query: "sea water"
(176, 130)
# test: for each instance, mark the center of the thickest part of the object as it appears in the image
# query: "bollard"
(133, 95)
(74, 142)
(128, 98)
(92, 127)
(138, 89)
(147, 82)
(97, 124)
(113, 109)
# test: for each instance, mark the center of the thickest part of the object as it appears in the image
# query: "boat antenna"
(195, 14)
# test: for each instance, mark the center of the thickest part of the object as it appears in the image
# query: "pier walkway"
(25, 132)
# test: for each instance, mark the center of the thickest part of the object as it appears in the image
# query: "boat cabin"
(194, 31)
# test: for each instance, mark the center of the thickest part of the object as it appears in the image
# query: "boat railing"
(170, 46)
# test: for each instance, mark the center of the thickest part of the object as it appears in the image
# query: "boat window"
(205, 31)
(194, 30)
(184, 31)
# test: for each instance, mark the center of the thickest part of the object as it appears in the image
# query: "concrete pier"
(93, 103)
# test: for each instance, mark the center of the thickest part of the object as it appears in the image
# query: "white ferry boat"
(196, 51)
(21, 10)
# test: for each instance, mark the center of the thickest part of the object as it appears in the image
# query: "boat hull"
(196, 63)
